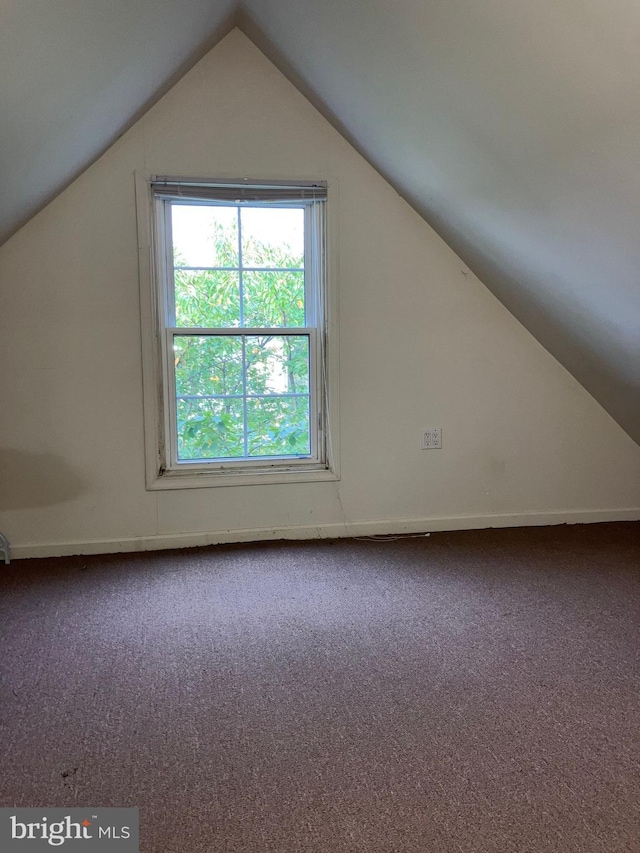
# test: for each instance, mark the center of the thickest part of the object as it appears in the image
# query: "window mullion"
(244, 397)
(309, 306)
(237, 331)
(240, 271)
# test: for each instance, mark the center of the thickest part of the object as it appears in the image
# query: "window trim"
(160, 472)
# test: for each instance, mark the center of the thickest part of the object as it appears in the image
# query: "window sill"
(210, 479)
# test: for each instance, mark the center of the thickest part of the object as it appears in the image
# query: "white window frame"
(163, 469)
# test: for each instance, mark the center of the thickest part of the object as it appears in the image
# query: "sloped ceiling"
(75, 73)
(512, 127)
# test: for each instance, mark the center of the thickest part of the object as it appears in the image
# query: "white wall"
(422, 343)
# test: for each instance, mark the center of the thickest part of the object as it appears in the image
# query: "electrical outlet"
(431, 439)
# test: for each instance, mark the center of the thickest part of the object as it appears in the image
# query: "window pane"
(207, 298)
(272, 237)
(278, 426)
(277, 364)
(204, 235)
(273, 298)
(208, 365)
(209, 429)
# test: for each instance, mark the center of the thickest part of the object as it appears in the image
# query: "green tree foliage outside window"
(244, 395)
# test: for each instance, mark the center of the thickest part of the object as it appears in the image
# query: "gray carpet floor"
(473, 691)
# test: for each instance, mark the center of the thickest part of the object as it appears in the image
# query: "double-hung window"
(240, 305)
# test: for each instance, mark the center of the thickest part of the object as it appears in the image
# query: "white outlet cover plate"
(431, 438)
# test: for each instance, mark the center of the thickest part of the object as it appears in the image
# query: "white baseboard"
(165, 541)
